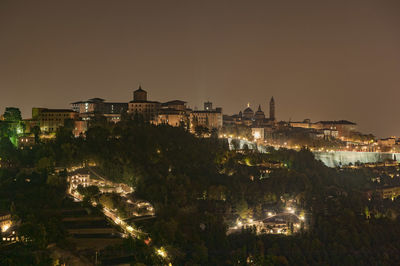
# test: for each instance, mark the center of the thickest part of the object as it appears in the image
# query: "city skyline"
(319, 61)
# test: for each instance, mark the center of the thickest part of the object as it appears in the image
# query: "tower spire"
(272, 109)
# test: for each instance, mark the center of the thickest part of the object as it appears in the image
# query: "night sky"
(322, 60)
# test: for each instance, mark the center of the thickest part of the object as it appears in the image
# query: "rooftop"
(206, 111)
(45, 110)
(343, 122)
(248, 110)
(165, 111)
(93, 100)
(143, 101)
(174, 102)
(140, 89)
(96, 100)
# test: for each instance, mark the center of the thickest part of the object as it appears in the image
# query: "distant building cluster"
(253, 119)
(329, 130)
(337, 129)
(83, 177)
(263, 127)
(174, 113)
(255, 124)
(391, 144)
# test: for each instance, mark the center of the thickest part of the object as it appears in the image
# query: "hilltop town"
(255, 126)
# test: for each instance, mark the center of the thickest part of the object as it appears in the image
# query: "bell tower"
(272, 109)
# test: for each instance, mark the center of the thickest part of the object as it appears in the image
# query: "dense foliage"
(198, 186)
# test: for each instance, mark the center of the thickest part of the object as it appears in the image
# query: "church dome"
(248, 112)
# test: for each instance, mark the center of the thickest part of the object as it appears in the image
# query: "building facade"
(207, 118)
(258, 133)
(344, 128)
(141, 106)
(80, 128)
(173, 113)
(97, 106)
(26, 142)
(337, 129)
(51, 119)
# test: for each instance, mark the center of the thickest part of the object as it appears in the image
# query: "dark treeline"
(198, 187)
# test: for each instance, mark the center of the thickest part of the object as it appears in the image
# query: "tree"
(214, 133)
(12, 114)
(201, 130)
(90, 192)
(36, 132)
(34, 232)
(108, 201)
(55, 180)
(45, 164)
(235, 144)
(242, 208)
(69, 124)
(7, 150)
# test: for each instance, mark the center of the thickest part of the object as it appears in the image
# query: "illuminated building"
(81, 177)
(51, 119)
(389, 192)
(206, 118)
(173, 113)
(388, 142)
(5, 221)
(330, 133)
(26, 141)
(340, 128)
(257, 119)
(8, 229)
(258, 133)
(343, 127)
(97, 106)
(80, 127)
(305, 124)
(141, 106)
(175, 104)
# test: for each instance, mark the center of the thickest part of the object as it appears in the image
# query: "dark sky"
(319, 59)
